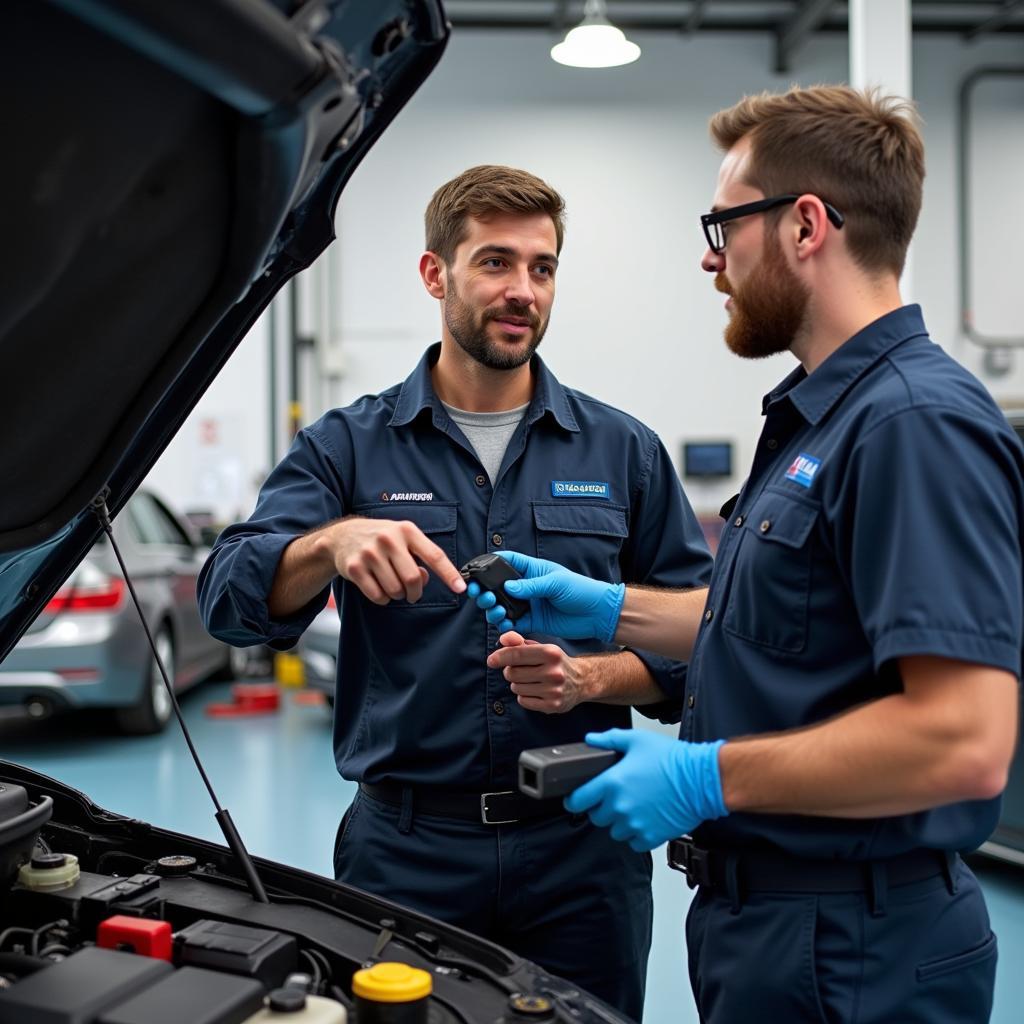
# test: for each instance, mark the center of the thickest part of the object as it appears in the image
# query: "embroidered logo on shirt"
(406, 496)
(580, 489)
(803, 470)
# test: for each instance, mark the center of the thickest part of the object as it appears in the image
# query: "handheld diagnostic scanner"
(555, 771)
(491, 571)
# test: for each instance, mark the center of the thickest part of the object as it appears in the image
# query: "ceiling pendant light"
(595, 42)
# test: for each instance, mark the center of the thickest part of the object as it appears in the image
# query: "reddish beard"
(768, 309)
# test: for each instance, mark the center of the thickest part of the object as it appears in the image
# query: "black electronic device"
(555, 771)
(491, 571)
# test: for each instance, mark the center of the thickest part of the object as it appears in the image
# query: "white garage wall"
(636, 321)
(219, 457)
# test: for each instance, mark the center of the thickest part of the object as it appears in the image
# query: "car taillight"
(101, 595)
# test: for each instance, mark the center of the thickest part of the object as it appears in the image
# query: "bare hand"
(380, 557)
(542, 676)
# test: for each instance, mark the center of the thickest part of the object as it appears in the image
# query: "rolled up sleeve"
(302, 493)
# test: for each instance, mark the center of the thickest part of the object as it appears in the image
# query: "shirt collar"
(814, 395)
(418, 394)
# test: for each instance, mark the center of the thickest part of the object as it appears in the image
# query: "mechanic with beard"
(851, 705)
(480, 448)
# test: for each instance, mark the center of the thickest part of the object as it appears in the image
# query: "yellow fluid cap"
(392, 983)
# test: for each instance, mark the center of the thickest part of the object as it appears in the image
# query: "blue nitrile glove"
(562, 603)
(663, 788)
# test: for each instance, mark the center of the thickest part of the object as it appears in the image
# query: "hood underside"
(167, 167)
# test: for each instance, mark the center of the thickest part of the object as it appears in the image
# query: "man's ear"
(432, 271)
(810, 224)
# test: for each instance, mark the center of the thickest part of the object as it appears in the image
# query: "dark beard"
(769, 309)
(470, 332)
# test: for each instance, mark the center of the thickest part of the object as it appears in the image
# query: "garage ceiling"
(791, 22)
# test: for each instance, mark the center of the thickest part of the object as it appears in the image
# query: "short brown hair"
(483, 192)
(858, 150)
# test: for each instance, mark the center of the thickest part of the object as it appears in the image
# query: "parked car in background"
(205, 523)
(88, 648)
(318, 651)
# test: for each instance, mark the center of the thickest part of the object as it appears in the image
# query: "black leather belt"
(775, 871)
(498, 808)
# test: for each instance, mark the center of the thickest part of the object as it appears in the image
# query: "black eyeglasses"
(712, 222)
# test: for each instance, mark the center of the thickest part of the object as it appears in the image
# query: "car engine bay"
(109, 920)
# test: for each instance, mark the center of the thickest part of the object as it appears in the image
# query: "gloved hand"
(663, 788)
(562, 603)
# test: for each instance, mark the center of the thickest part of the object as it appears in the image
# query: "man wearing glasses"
(851, 704)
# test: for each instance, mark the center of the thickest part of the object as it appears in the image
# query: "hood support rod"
(223, 816)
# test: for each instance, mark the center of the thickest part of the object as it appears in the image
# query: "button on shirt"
(581, 483)
(884, 523)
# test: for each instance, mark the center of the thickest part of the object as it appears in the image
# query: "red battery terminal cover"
(140, 935)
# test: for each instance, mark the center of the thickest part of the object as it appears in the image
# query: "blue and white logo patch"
(803, 470)
(580, 489)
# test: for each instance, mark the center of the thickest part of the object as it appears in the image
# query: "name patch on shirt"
(407, 496)
(803, 470)
(580, 489)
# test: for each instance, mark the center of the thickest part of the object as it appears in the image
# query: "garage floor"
(276, 775)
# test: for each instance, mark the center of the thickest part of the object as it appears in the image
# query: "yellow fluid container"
(392, 993)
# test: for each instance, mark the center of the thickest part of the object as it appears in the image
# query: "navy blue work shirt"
(581, 483)
(882, 518)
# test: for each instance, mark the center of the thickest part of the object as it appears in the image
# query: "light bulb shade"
(595, 45)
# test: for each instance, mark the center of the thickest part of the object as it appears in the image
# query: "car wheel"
(153, 710)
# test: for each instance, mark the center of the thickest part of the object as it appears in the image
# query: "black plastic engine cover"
(193, 995)
(79, 988)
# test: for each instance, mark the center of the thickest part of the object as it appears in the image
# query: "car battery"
(190, 995)
(258, 953)
(78, 989)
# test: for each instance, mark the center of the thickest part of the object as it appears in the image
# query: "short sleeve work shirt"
(881, 519)
(581, 483)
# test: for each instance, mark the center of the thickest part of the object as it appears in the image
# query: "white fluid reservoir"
(316, 1010)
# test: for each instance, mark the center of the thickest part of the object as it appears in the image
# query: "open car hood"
(167, 167)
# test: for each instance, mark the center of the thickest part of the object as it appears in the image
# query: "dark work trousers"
(915, 954)
(557, 891)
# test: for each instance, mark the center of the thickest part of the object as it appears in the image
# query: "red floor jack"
(248, 699)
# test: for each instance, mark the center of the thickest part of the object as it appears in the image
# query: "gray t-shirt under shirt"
(488, 432)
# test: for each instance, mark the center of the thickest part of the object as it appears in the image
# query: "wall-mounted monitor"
(708, 460)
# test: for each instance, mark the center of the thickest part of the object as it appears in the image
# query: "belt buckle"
(484, 812)
(691, 860)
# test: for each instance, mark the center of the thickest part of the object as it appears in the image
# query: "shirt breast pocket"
(584, 538)
(769, 593)
(439, 522)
